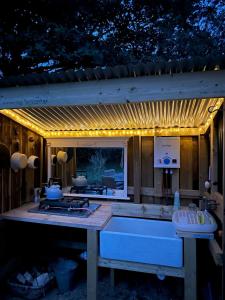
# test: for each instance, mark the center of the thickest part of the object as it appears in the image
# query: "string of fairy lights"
(170, 131)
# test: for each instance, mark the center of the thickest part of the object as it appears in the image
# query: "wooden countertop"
(96, 221)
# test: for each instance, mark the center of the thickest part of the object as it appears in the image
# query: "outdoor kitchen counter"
(95, 221)
(92, 224)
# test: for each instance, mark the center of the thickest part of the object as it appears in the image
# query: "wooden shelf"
(140, 267)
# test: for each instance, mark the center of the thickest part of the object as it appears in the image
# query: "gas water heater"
(166, 152)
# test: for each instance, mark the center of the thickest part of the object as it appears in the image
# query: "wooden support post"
(213, 158)
(216, 252)
(42, 160)
(190, 278)
(186, 171)
(112, 278)
(203, 162)
(137, 168)
(92, 264)
(49, 175)
(223, 207)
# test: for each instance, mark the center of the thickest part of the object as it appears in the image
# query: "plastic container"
(65, 270)
(176, 204)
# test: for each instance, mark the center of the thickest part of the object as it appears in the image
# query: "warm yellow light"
(205, 127)
(173, 131)
(22, 121)
(140, 132)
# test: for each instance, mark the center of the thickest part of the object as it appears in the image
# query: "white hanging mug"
(62, 157)
(18, 161)
(33, 162)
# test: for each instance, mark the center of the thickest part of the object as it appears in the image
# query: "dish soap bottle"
(176, 203)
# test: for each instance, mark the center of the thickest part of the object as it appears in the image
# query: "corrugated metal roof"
(120, 71)
(144, 115)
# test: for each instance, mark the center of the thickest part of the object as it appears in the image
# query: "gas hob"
(67, 206)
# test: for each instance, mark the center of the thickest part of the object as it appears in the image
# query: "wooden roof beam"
(164, 87)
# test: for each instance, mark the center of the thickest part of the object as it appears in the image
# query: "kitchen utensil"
(18, 161)
(33, 162)
(62, 157)
(207, 184)
(80, 181)
(55, 180)
(54, 192)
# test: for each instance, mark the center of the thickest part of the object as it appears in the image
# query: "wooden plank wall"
(147, 161)
(130, 166)
(204, 161)
(137, 167)
(188, 179)
(17, 188)
(213, 157)
(189, 171)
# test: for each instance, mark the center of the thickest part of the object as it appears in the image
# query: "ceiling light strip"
(211, 116)
(15, 117)
(115, 133)
(56, 131)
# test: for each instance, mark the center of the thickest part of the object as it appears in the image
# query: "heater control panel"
(167, 152)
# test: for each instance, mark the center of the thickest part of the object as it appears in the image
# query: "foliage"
(97, 161)
(51, 34)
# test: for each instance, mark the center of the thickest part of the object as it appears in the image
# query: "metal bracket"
(211, 109)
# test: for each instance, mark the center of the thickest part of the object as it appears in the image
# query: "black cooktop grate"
(66, 202)
(67, 206)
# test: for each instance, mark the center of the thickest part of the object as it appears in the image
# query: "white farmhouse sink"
(141, 240)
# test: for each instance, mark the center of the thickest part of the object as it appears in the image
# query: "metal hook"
(212, 110)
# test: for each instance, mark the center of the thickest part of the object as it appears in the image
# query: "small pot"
(62, 157)
(18, 161)
(79, 181)
(33, 162)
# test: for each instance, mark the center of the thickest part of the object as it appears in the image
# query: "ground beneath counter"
(129, 286)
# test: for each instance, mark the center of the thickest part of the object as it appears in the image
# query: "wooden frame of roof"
(209, 84)
(162, 118)
(55, 101)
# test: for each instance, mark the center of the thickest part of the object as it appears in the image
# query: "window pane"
(102, 167)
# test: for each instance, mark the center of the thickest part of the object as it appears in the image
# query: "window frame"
(119, 142)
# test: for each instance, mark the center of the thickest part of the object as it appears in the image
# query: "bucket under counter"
(141, 240)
